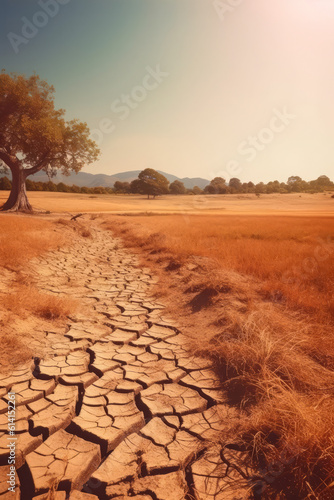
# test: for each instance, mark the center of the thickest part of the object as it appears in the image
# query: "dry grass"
(291, 256)
(23, 238)
(27, 300)
(268, 318)
(25, 314)
(82, 229)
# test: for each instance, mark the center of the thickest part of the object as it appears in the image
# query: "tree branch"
(33, 170)
(11, 161)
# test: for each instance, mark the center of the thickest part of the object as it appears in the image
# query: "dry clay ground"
(117, 407)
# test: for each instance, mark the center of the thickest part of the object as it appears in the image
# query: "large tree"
(150, 182)
(34, 135)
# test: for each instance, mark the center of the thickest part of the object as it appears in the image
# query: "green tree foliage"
(151, 183)
(34, 135)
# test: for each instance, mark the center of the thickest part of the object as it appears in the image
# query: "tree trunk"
(18, 200)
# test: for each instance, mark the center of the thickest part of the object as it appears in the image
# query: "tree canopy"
(177, 187)
(34, 135)
(122, 187)
(216, 186)
(150, 182)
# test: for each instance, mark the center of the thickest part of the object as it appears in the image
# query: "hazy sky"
(191, 87)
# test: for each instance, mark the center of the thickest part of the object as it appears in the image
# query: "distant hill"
(102, 180)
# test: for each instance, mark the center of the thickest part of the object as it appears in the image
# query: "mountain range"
(103, 180)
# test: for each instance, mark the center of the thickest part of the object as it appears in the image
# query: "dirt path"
(117, 408)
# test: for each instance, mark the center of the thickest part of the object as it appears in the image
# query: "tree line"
(152, 183)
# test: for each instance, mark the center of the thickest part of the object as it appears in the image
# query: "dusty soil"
(115, 406)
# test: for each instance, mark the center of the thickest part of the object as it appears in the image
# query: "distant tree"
(216, 186)
(122, 187)
(260, 188)
(209, 189)
(219, 184)
(62, 188)
(75, 189)
(5, 184)
(34, 135)
(273, 187)
(324, 182)
(39, 186)
(283, 188)
(50, 186)
(295, 184)
(235, 184)
(177, 187)
(150, 182)
(293, 179)
(30, 185)
(99, 190)
(197, 190)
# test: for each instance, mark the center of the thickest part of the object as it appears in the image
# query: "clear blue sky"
(227, 73)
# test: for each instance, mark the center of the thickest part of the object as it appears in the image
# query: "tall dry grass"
(23, 237)
(25, 301)
(292, 256)
(262, 292)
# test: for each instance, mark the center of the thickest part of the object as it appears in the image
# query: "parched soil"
(116, 407)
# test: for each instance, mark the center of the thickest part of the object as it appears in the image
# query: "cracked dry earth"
(118, 407)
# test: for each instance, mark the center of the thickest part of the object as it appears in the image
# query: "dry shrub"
(85, 233)
(27, 300)
(268, 368)
(292, 434)
(14, 350)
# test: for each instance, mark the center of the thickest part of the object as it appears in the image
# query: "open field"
(291, 256)
(287, 204)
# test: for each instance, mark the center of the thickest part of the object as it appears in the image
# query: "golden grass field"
(251, 282)
(293, 256)
(248, 204)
